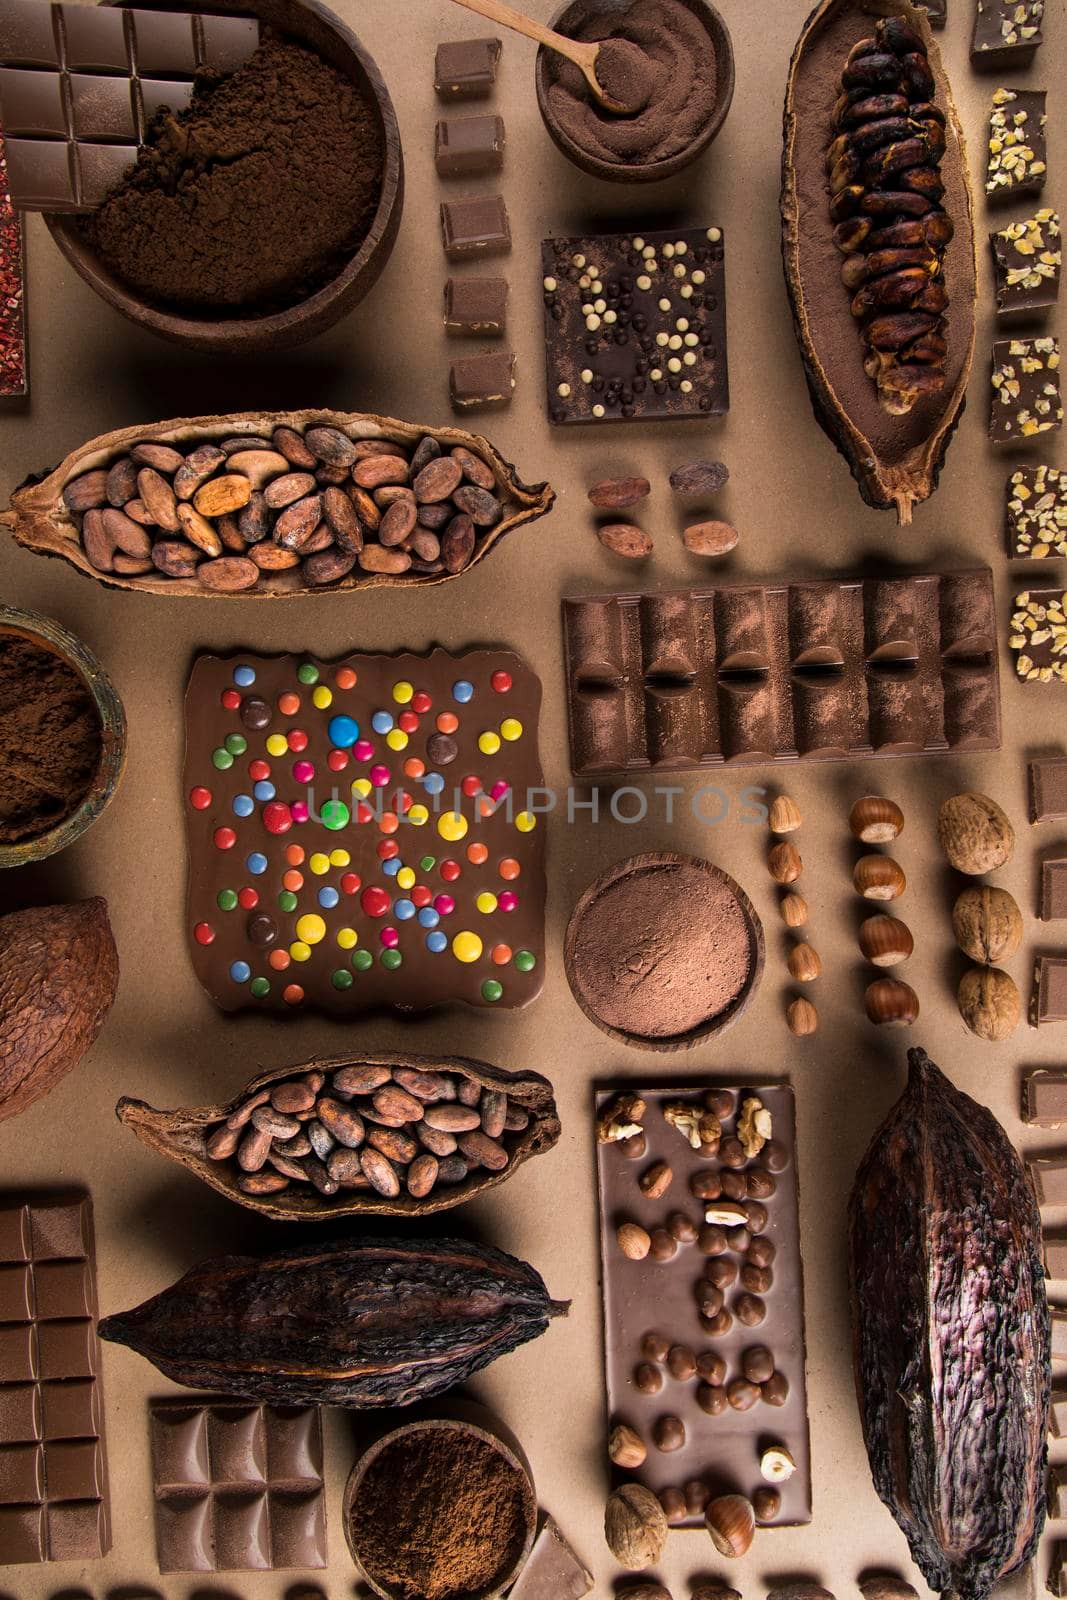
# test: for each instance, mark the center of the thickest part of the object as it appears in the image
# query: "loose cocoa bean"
(438, 480)
(271, 557)
(483, 508)
(475, 470)
(253, 520)
(381, 1172)
(361, 1079)
(243, 1114)
(298, 522)
(453, 1118)
(229, 574)
(125, 534)
(330, 445)
(219, 495)
(428, 1087)
(452, 1170)
(262, 1183)
(342, 1122)
(198, 530)
(376, 470)
(158, 498)
(291, 486)
(98, 544)
(343, 519)
(700, 477)
(289, 444)
(174, 558)
(434, 517)
(258, 466)
(276, 1123)
(398, 1146)
(457, 543)
(198, 466)
(710, 538)
(398, 522)
(87, 493)
(422, 1175)
(615, 494)
(373, 558)
(625, 539)
(436, 1140)
(480, 1151)
(132, 566)
(344, 1165)
(161, 457)
(494, 1110)
(254, 1149)
(328, 566)
(122, 481)
(396, 1106)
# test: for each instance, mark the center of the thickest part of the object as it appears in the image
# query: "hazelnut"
(742, 1395)
(891, 1003)
(885, 941)
(655, 1182)
(635, 1527)
(732, 1153)
(712, 1399)
(879, 878)
(804, 963)
(794, 909)
(975, 834)
(711, 1241)
(709, 1298)
(713, 1591)
(633, 1241)
(749, 1310)
(681, 1362)
(757, 1363)
(784, 863)
(725, 1213)
(766, 1503)
(761, 1252)
(775, 1155)
(757, 1215)
(718, 1326)
(754, 1125)
(801, 1017)
(886, 1586)
(784, 815)
(720, 1102)
(876, 820)
(739, 1238)
(626, 1447)
(989, 1003)
(760, 1185)
(757, 1280)
(643, 1591)
(775, 1391)
(674, 1506)
(711, 1368)
(988, 924)
(668, 1433)
(731, 1522)
(705, 1186)
(654, 1347)
(697, 1495)
(662, 1246)
(635, 1148)
(776, 1464)
(621, 1118)
(647, 1378)
(734, 1185)
(682, 1228)
(721, 1271)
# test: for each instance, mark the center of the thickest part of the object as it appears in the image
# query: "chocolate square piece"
(28, 35)
(226, 43)
(476, 306)
(41, 174)
(1015, 163)
(101, 168)
(1049, 1004)
(53, 1474)
(157, 94)
(164, 43)
(475, 227)
(635, 326)
(466, 146)
(478, 383)
(96, 39)
(553, 1571)
(1054, 889)
(1025, 390)
(32, 104)
(1037, 514)
(1027, 257)
(1006, 32)
(1058, 1415)
(102, 108)
(465, 69)
(1038, 637)
(252, 1495)
(340, 856)
(724, 1306)
(1045, 1098)
(1048, 1174)
(1048, 789)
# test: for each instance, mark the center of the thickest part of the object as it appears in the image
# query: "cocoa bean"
(480, 1150)
(373, 558)
(517, 1120)
(381, 1172)
(253, 521)
(139, 512)
(122, 481)
(342, 1122)
(343, 519)
(132, 566)
(452, 1118)
(469, 1093)
(422, 1175)
(710, 538)
(296, 1147)
(282, 492)
(321, 539)
(368, 512)
(438, 480)
(625, 539)
(425, 1086)
(615, 494)
(161, 457)
(390, 493)
(457, 543)
(262, 1183)
(287, 1166)
(425, 451)
(330, 445)
(175, 559)
(125, 534)
(298, 522)
(436, 1141)
(331, 475)
(243, 1114)
(320, 1177)
(321, 1139)
(229, 574)
(198, 465)
(397, 524)
(376, 470)
(474, 469)
(377, 447)
(258, 466)
(328, 566)
(279, 1126)
(398, 1146)
(223, 1142)
(425, 568)
(230, 533)
(396, 1107)
(427, 546)
(494, 1110)
(434, 517)
(289, 444)
(361, 1079)
(700, 477)
(198, 530)
(315, 1079)
(97, 543)
(87, 493)
(483, 508)
(159, 499)
(344, 1165)
(452, 1170)
(220, 495)
(254, 1149)
(270, 557)
(243, 441)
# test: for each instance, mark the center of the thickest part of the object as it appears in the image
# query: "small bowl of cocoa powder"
(62, 737)
(441, 1509)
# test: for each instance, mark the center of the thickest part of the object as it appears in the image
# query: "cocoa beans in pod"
(358, 1323)
(951, 1333)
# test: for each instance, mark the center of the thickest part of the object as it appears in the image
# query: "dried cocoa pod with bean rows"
(270, 504)
(361, 1323)
(885, 193)
(403, 1135)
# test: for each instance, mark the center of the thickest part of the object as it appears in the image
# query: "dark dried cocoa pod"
(918, 77)
(358, 1323)
(938, 228)
(899, 156)
(922, 181)
(951, 1335)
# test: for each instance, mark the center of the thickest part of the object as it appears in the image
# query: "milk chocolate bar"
(1027, 257)
(1045, 1098)
(53, 1471)
(1025, 397)
(481, 382)
(476, 306)
(238, 1487)
(467, 146)
(1048, 1174)
(553, 1571)
(1058, 1319)
(1058, 1414)
(475, 227)
(465, 69)
(704, 1336)
(822, 670)
(1055, 1252)
(1006, 32)
(1053, 888)
(1048, 1001)
(1048, 789)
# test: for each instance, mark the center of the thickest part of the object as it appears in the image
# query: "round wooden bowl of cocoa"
(310, 24)
(68, 689)
(571, 19)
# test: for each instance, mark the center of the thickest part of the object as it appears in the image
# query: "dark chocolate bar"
(481, 382)
(1025, 395)
(1037, 516)
(14, 363)
(1015, 159)
(822, 670)
(465, 69)
(704, 1336)
(1058, 1414)
(1048, 789)
(1038, 636)
(475, 227)
(467, 146)
(1027, 257)
(1048, 1003)
(552, 1571)
(1058, 1320)
(1045, 1098)
(1006, 32)
(238, 1487)
(476, 306)
(936, 10)
(1055, 1253)
(53, 1471)
(1048, 1174)
(1056, 1582)
(635, 326)
(1053, 889)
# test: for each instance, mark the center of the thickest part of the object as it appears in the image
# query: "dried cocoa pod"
(951, 1335)
(410, 1319)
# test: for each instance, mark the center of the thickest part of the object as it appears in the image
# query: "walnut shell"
(989, 1003)
(975, 834)
(59, 970)
(635, 1527)
(988, 924)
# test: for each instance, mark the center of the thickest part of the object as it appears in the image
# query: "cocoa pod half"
(359, 1323)
(951, 1335)
(58, 974)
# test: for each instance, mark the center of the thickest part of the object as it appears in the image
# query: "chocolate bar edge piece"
(476, 306)
(1053, 889)
(561, 1565)
(481, 382)
(469, 146)
(488, 235)
(1039, 811)
(470, 79)
(1032, 1081)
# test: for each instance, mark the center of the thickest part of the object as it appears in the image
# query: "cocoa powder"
(255, 196)
(50, 740)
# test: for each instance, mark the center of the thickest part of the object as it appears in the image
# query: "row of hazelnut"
(884, 940)
(876, 1586)
(785, 866)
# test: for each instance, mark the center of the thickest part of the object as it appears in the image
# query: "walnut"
(620, 1119)
(635, 1527)
(989, 1003)
(975, 834)
(988, 924)
(700, 1128)
(754, 1126)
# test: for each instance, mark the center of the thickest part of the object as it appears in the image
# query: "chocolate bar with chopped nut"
(1025, 390)
(1015, 160)
(1037, 513)
(465, 69)
(1027, 257)
(1038, 637)
(1006, 32)
(478, 382)
(476, 306)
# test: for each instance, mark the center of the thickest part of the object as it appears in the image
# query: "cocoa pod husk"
(951, 1335)
(59, 970)
(360, 1323)
(183, 1135)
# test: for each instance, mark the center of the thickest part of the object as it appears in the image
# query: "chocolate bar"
(1015, 161)
(1045, 1098)
(1048, 1174)
(1058, 1320)
(465, 69)
(1048, 1001)
(704, 1335)
(936, 10)
(1038, 637)
(553, 1571)
(467, 146)
(822, 670)
(360, 832)
(1055, 1253)
(479, 382)
(1056, 1584)
(1057, 1493)
(1048, 789)
(1025, 396)
(14, 368)
(238, 1487)
(1058, 1414)
(475, 227)
(1027, 257)
(1037, 514)
(476, 306)
(53, 1471)
(635, 326)
(1006, 32)
(80, 86)
(1053, 889)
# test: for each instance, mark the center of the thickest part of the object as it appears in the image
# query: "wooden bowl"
(311, 24)
(568, 20)
(466, 1421)
(49, 635)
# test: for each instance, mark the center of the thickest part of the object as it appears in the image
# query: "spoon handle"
(507, 17)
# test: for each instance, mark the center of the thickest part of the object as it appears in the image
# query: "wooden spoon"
(583, 55)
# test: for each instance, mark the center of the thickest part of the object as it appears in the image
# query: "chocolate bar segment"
(1049, 1003)
(1054, 889)
(14, 366)
(1048, 789)
(237, 1487)
(465, 69)
(1048, 1174)
(1058, 1414)
(824, 670)
(1025, 394)
(704, 1336)
(1038, 637)
(1045, 1098)
(1006, 32)
(476, 306)
(53, 1471)
(635, 326)
(475, 227)
(1037, 515)
(1015, 161)
(1055, 1253)
(467, 146)
(479, 383)
(1058, 1319)
(553, 1571)
(1056, 1583)
(1027, 257)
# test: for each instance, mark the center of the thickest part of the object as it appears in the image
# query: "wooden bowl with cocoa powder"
(312, 25)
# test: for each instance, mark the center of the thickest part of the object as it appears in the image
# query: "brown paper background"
(799, 514)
